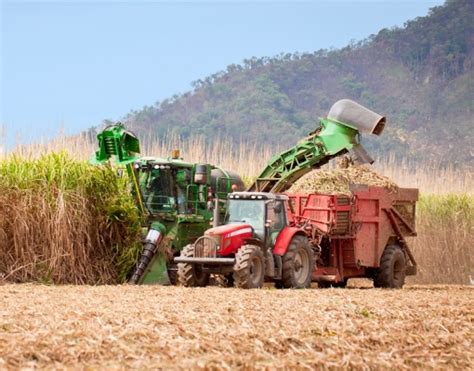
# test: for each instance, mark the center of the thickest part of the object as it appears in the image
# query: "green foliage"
(70, 203)
(443, 248)
(438, 207)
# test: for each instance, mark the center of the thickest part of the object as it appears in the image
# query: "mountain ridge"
(420, 76)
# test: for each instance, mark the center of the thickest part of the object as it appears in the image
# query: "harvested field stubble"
(173, 327)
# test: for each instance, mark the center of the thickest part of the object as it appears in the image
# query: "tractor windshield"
(158, 190)
(248, 211)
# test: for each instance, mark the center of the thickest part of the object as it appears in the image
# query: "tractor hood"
(230, 237)
(229, 230)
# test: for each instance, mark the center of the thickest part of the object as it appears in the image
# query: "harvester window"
(158, 191)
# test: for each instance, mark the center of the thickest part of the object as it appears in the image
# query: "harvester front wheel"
(298, 263)
(191, 275)
(391, 273)
(249, 267)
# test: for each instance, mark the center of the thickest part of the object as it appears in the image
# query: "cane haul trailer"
(293, 239)
(358, 235)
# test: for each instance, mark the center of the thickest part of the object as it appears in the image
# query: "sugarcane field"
(303, 211)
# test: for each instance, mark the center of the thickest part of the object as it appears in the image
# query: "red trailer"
(362, 235)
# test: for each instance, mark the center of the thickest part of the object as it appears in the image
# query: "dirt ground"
(217, 328)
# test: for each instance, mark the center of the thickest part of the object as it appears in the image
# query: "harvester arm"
(338, 134)
(123, 146)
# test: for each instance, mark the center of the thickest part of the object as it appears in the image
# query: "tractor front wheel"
(391, 273)
(298, 263)
(249, 267)
(191, 275)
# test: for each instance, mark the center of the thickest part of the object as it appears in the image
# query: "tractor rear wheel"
(191, 275)
(391, 273)
(298, 263)
(249, 267)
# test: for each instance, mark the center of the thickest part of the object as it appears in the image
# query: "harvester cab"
(173, 195)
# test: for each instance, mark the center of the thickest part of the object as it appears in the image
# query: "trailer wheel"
(191, 275)
(298, 264)
(249, 267)
(391, 273)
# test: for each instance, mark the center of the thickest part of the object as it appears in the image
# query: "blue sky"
(72, 64)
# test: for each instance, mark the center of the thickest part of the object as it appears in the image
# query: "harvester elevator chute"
(338, 134)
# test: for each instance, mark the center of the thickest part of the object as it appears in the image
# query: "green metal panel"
(283, 170)
(118, 142)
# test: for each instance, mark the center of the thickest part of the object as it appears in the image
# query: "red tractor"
(256, 242)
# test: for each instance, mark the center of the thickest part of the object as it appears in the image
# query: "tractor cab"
(264, 212)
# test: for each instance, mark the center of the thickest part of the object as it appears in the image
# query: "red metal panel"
(373, 229)
(363, 228)
(319, 210)
(284, 239)
(232, 236)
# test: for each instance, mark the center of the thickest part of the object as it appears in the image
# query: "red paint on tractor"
(232, 236)
(283, 240)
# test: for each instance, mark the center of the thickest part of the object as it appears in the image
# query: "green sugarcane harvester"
(180, 199)
(174, 196)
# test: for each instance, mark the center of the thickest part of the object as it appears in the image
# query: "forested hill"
(421, 76)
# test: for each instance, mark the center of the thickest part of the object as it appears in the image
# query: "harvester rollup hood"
(353, 114)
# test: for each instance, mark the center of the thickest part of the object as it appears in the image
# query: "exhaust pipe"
(353, 114)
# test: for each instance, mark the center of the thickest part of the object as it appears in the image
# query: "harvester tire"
(391, 273)
(173, 273)
(298, 264)
(191, 275)
(249, 267)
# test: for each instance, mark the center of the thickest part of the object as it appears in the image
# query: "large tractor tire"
(391, 273)
(191, 275)
(298, 263)
(249, 267)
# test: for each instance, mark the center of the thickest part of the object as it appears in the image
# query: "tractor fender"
(284, 238)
